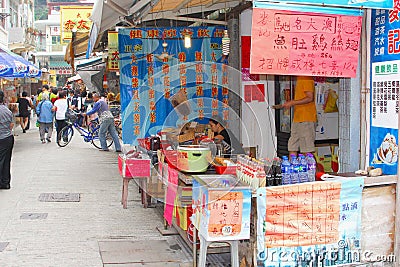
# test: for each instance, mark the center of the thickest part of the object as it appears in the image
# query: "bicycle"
(89, 135)
(116, 111)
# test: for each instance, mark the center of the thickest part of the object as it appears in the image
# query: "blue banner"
(385, 79)
(310, 224)
(165, 84)
(376, 4)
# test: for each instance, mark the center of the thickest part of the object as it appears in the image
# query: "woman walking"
(24, 103)
(6, 143)
(45, 118)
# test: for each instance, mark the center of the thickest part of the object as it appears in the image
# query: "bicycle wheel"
(118, 127)
(96, 140)
(65, 136)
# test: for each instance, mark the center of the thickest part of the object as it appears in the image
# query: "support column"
(234, 77)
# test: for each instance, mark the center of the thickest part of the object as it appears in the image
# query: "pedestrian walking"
(24, 103)
(6, 143)
(45, 118)
(60, 107)
(106, 123)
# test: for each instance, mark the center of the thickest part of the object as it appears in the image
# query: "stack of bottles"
(299, 169)
(259, 172)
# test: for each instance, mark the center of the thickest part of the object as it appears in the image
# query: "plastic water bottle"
(295, 173)
(311, 167)
(303, 169)
(286, 170)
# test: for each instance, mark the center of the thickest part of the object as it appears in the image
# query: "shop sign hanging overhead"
(113, 53)
(288, 42)
(385, 85)
(375, 4)
(165, 84)
(74, 18)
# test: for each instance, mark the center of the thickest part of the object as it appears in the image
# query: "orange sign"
(304, 43)
(302, 215)
(225, 213)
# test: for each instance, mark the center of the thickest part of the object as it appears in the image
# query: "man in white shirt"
(60, 107)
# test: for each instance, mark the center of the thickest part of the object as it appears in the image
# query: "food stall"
(290, 219)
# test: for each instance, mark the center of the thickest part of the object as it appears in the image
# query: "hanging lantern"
(225, 43)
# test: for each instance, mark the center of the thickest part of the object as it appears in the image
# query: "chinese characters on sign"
(225, 213)
(307, 217)
(156, 71)
(295, 43)
(74, 17)
(302, 215)
(385, 93)
(113, 53)
(385, 64)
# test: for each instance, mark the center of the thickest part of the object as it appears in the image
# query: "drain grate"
(59, 197)
(3, 246)
(33, 216)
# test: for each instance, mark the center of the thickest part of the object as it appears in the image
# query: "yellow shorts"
(302, 137)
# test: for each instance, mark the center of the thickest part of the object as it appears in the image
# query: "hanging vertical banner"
(310, 224)
(74, 17)
(385, 84)
(113, 53)
(304, 43)
(165, 84)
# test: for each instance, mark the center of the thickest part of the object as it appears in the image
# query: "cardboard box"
(187, 136)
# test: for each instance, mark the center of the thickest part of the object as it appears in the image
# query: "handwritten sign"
(304, 43)
(225, 213)
(302, 215)
(305, 217)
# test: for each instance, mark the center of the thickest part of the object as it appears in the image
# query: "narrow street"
(95, 231)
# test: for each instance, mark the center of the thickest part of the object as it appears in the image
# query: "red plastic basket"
(225, 169)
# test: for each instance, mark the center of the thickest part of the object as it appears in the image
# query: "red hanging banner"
(304, 43)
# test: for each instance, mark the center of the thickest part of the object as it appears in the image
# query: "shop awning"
(91, 71)
(107, 13)
(58, 64)
(77, 47)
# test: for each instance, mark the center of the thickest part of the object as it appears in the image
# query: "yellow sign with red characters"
(74, 18)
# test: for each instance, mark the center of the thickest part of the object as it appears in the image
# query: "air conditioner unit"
(3, 10)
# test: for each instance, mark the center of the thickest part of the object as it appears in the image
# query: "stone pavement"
(94, 232)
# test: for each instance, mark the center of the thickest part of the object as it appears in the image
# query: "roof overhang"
(108, 13)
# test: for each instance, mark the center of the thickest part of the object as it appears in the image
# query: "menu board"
(385, 81)
(304, 43)
(225, 213)
(306, 218)
(165, 84)
(289, 216)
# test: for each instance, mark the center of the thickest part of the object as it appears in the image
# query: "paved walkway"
(73, 232)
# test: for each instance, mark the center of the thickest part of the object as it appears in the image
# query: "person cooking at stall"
(223, 136)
